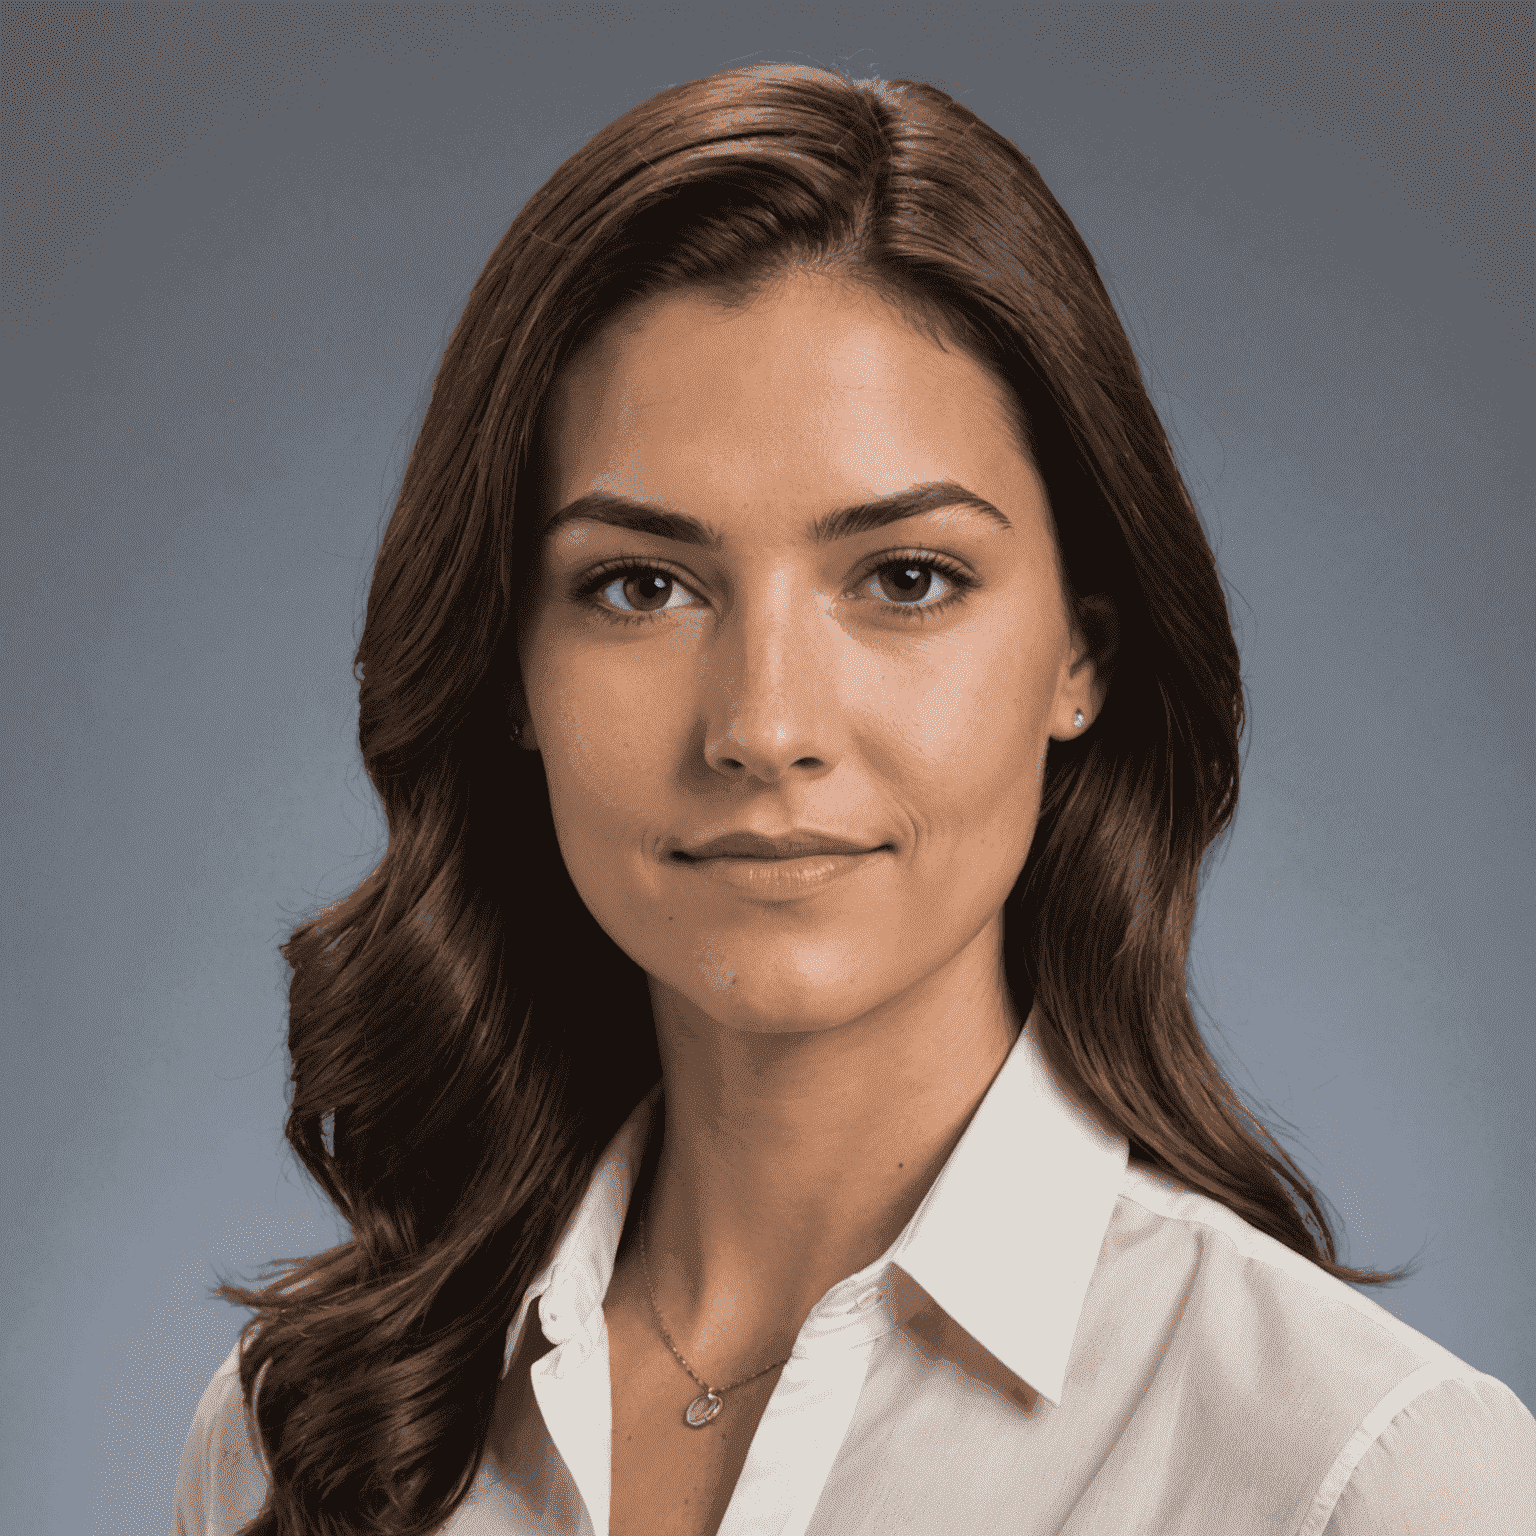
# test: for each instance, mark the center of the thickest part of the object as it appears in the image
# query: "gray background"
(236, 240)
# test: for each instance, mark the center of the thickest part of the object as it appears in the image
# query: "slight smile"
(779, 877)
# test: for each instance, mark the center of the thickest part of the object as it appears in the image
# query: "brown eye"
(916, 586)
(647, 590)
(903, 582)
(642, 589)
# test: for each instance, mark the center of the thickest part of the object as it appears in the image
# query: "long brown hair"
(464, 1038)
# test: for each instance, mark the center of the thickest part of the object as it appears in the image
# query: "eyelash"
(958, 577)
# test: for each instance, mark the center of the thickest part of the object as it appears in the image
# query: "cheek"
(597, 735)
(601, 741)
(611, 720)
(965, 735)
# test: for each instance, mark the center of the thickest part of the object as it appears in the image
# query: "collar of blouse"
(1005, 1241)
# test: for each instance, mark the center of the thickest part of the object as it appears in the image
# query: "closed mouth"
(752, 845)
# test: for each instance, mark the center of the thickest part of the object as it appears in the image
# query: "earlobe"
(519, 722)
(1095, 642)
(1078, 726)
(520, 727)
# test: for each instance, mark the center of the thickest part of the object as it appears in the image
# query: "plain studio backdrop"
(236, 240)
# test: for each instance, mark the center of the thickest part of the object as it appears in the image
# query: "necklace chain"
(710, 1391)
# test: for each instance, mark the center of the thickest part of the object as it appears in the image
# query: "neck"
(791, 1161)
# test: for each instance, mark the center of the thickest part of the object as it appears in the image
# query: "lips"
(755, 845)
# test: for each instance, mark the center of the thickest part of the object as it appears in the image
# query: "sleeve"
(1457, 1460)
(223, 1480)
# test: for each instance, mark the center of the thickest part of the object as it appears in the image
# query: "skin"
(821, 1055)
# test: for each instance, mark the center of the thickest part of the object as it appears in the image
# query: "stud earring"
(517, 732)
(1077, 720)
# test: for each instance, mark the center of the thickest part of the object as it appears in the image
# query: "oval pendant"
(702, 1409)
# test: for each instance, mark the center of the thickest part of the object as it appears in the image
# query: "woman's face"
(712, 645)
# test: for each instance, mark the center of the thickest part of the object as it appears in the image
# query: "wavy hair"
(464, 1038)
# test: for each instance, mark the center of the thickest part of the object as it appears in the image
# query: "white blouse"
(1059, 1342)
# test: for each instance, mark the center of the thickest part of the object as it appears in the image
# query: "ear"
(1088, 666)
(519, 720)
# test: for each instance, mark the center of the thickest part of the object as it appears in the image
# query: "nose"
(769, 702)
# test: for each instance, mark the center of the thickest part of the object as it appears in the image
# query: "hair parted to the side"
(465, 1039)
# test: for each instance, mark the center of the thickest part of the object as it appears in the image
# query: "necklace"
(707, 1404)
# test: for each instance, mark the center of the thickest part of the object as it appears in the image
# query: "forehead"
(816, 390)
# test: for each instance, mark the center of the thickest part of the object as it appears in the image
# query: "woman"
(760, 1076)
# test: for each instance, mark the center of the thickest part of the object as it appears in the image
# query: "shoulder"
(1274, 1351)
(1242, 1288)
(223, 1479)
(1457, 1458)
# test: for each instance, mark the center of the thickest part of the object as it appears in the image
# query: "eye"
(636, 590)
(916, 583)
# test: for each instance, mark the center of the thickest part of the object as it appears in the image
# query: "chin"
(780, 994)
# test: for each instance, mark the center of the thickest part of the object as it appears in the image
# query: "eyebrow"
(862, 517)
